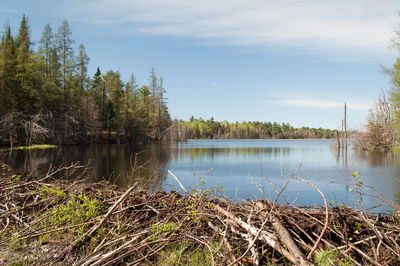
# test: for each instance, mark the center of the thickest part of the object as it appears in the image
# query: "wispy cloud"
(319, 103)
(349, 28)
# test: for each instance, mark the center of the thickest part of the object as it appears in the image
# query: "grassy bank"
(49, 221)
(36, 146)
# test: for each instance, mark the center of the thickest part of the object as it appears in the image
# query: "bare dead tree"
(9, 124)
(379, 134)
(34, 128)
(16, 126)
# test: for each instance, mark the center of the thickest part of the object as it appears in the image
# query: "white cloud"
(319, 103)
(349, 28)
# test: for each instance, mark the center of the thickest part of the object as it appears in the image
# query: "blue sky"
(293, 61)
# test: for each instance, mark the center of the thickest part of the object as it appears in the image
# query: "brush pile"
(50, 221)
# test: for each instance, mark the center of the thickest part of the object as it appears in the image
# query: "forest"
(210, 129)
(48, 96)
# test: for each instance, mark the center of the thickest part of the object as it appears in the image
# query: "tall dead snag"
(337, 140)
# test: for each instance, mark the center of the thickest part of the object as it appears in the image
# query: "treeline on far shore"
(198, 128)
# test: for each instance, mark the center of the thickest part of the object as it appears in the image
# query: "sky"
(289, 61)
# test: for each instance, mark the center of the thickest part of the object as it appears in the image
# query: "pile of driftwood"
(50, 221)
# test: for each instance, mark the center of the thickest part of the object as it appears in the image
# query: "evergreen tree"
(66, 56)
(130, 108)
(45, 48)
(26, 93)
(82, 78)
(82, 62)
(23, 46)
(7, 73)
(98, 89)
(47, 54)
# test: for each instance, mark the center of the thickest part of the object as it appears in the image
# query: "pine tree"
(45, 48)
(7, 72)
(114, 90)
(82, 62)
(98, 89)
(47, 54)
(130, 107)
(27, 91)
(82, 79)
(23, 45)
(66, 56)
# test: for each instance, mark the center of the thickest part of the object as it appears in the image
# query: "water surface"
(236, 165)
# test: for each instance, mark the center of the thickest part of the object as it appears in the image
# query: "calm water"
(233, 164)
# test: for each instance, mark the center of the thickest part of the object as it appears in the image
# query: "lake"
(235, 165)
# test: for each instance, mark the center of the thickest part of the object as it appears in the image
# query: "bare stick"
(284, 236)
(267, 237)
(99, 259)
(177, 180)
(110, 210)
(326, 215)
(218, 230)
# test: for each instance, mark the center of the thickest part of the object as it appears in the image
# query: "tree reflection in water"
(112, 163)
(234, 162)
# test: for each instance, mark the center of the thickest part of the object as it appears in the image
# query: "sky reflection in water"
(236, 165)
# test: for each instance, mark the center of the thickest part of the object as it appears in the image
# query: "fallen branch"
(326, 215)
(268, 238)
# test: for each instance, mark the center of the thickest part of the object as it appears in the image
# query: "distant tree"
(82, 61)
(51, 99)
(66, 55)
(145, 107)
(45, 48)
(7, 72)
(28, 83)
(130, 108)
(98, 90)
(81, 100)
(23, 46)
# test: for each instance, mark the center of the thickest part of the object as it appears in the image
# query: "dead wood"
(100, 224)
